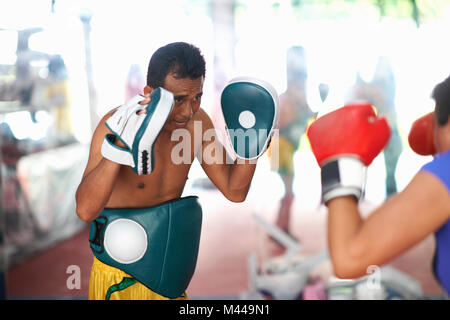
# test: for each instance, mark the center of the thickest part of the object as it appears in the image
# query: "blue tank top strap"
(440, 167)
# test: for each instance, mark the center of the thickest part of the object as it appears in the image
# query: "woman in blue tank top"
(405, 219)
(440, 169)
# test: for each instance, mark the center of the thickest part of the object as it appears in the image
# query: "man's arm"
(232, 178)
(98, 178)
(400, 223)
(115, 142)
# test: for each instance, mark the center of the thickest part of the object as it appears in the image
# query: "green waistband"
(173, 234)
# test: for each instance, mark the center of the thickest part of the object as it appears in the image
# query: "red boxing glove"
(344, 143)
(421, 135)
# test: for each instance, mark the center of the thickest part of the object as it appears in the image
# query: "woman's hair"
(180, 58)
(441, 95)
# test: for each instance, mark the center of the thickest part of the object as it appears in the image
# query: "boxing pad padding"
(250, 108)
(421, 135)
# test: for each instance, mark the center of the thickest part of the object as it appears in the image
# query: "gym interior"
(64, 65)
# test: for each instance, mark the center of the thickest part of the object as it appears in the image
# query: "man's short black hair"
(183, 59)
(441, 95)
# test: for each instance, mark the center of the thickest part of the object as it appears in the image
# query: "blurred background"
(64, 64)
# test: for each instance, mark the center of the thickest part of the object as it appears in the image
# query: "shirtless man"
(157, 259)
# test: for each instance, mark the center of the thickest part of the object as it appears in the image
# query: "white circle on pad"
(247, 119)
(125, 240)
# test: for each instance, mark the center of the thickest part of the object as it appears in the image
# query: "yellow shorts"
(284, 163)
(104, 276)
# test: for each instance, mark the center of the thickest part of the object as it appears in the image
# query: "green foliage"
(426, 10)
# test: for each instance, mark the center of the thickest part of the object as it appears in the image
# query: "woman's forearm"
(344, 221)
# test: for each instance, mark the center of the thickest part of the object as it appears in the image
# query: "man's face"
(187, 95)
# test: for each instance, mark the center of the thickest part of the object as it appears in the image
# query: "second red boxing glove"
(344, 143)
(421, 135)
